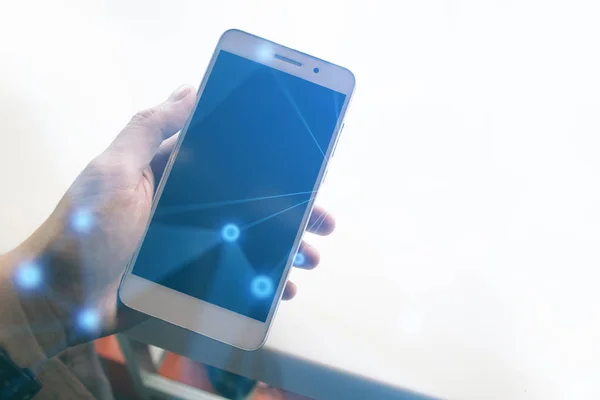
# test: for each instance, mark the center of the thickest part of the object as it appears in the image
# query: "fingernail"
(180, 93)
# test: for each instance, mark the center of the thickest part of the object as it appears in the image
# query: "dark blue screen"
(232, 206)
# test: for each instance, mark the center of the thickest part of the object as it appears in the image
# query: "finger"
(308, 257)
(290, 291)
(320, 222)
(140, 140)
(160, 160)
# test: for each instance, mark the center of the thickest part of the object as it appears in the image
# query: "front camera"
(316, 70)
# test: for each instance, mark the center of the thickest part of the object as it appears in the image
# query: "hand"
(86, 243)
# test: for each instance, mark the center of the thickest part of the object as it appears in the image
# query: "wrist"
(17, 332)
(25, 279)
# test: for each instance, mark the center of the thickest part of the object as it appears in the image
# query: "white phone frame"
(197, 315)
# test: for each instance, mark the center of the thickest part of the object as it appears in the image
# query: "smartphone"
(238, 190)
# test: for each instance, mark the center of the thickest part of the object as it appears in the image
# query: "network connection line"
(293, 103)
(193, 207)
(250, 225)
(319, 221)
(323, 217)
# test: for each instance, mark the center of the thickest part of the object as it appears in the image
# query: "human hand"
(84, 246)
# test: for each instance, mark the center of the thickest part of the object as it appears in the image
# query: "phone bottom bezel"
(193, 314)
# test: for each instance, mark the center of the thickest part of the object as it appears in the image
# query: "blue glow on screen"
(254, 149)
(230, 233)
(261, 287)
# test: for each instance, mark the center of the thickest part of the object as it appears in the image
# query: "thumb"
(140, 140)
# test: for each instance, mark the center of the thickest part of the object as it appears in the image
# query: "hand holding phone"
(67, 272)
(238, 191)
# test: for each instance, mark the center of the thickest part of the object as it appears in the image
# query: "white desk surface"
(466, 183)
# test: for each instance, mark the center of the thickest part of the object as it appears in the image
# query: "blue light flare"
(28, 276)
(299, 259)
(264, 52)
(230, 233)
(88, 320)
(82, 221)
(261, 287)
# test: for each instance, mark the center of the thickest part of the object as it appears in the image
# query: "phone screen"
(231, 208)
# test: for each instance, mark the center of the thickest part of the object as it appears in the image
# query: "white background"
(466, 183)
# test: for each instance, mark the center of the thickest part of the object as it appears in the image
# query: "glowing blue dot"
(299, 259)
(29, 276)
(82, 221)
(88, 320)
(264, 52)
(230, 233)
(261, 286)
